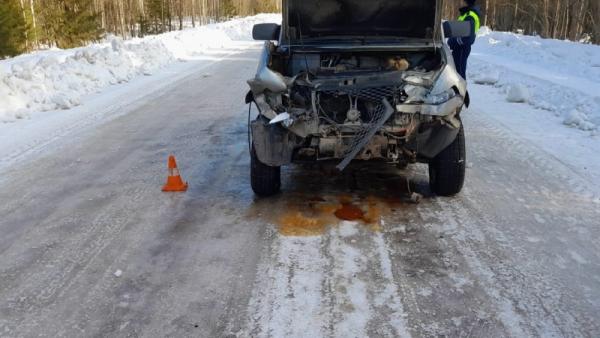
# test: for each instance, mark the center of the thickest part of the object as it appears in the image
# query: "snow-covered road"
(516, 254)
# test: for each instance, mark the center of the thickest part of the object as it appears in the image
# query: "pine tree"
(228, 9)
(79, 24)
(13, 29)
(69, 23)
(158, 12)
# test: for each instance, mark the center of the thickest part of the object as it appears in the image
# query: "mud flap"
(273, 144)
(249, 97)
(433, 139)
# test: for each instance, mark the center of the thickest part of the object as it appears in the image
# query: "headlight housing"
(440, 98)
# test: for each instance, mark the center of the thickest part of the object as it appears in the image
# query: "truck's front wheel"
(265, 180)
(447, 169)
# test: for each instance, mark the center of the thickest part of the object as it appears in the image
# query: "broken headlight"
(440, 98)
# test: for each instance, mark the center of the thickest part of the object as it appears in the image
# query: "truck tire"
(265, 180)
(447, 169)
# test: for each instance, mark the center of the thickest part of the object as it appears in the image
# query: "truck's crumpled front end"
(396, 106)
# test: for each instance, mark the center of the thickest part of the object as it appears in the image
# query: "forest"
(27, 25)
(576, 20)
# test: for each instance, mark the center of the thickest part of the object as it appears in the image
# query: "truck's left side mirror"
(266, 31)
(457, 29)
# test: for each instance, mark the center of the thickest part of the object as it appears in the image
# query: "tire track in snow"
(531, 300)
(288, 297)
(63, 266)
(539, 159)
(339, 284)
(527, 302)
(390, 296)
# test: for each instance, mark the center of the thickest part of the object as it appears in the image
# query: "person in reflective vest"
(461, 47)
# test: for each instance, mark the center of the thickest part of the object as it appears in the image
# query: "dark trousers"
(461, 55)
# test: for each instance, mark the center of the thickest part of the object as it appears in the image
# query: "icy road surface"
(89, 245)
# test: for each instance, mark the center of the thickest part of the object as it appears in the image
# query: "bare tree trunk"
(162, 15)
(595, 18)
(581, 15)
(141, 8)
(493, 22)
(487, 8)
(103, 15)
(555, 27)
(169, 14)
(545, 18)
(33, 23)
(567, 22)
(514, 18)
(121, 18)
(180, 14)
(25, 20)
(193, 13)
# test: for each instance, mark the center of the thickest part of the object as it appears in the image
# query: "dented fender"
(265, 78)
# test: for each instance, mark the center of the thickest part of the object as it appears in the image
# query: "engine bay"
(323, 64)
(347, 89)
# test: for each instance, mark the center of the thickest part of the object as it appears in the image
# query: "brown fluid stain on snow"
(309, 217)
(349, 212)
(313, 216)
(298, 224)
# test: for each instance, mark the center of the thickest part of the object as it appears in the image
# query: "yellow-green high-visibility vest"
(475, 18)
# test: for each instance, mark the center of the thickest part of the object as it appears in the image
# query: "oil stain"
(349, 212)
(313, 216)
(298, 224)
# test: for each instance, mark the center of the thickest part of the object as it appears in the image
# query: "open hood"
(416, 19)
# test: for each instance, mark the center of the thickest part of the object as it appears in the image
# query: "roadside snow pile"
(57, 79)
(518, 93)
(560, 77)
(490, 78)
(556, 56)
(579, 120)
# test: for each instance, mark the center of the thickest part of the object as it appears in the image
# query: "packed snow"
(289, 301)
(59, 79)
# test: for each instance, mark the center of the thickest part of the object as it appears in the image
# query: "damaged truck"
(355, 80)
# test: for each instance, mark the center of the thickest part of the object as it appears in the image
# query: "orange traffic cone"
(174, 181)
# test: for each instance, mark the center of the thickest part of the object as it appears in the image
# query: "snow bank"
(557, 56)
(58, 79)
(580, 120)
(560, 77)
(518, 93)
(489, 78)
